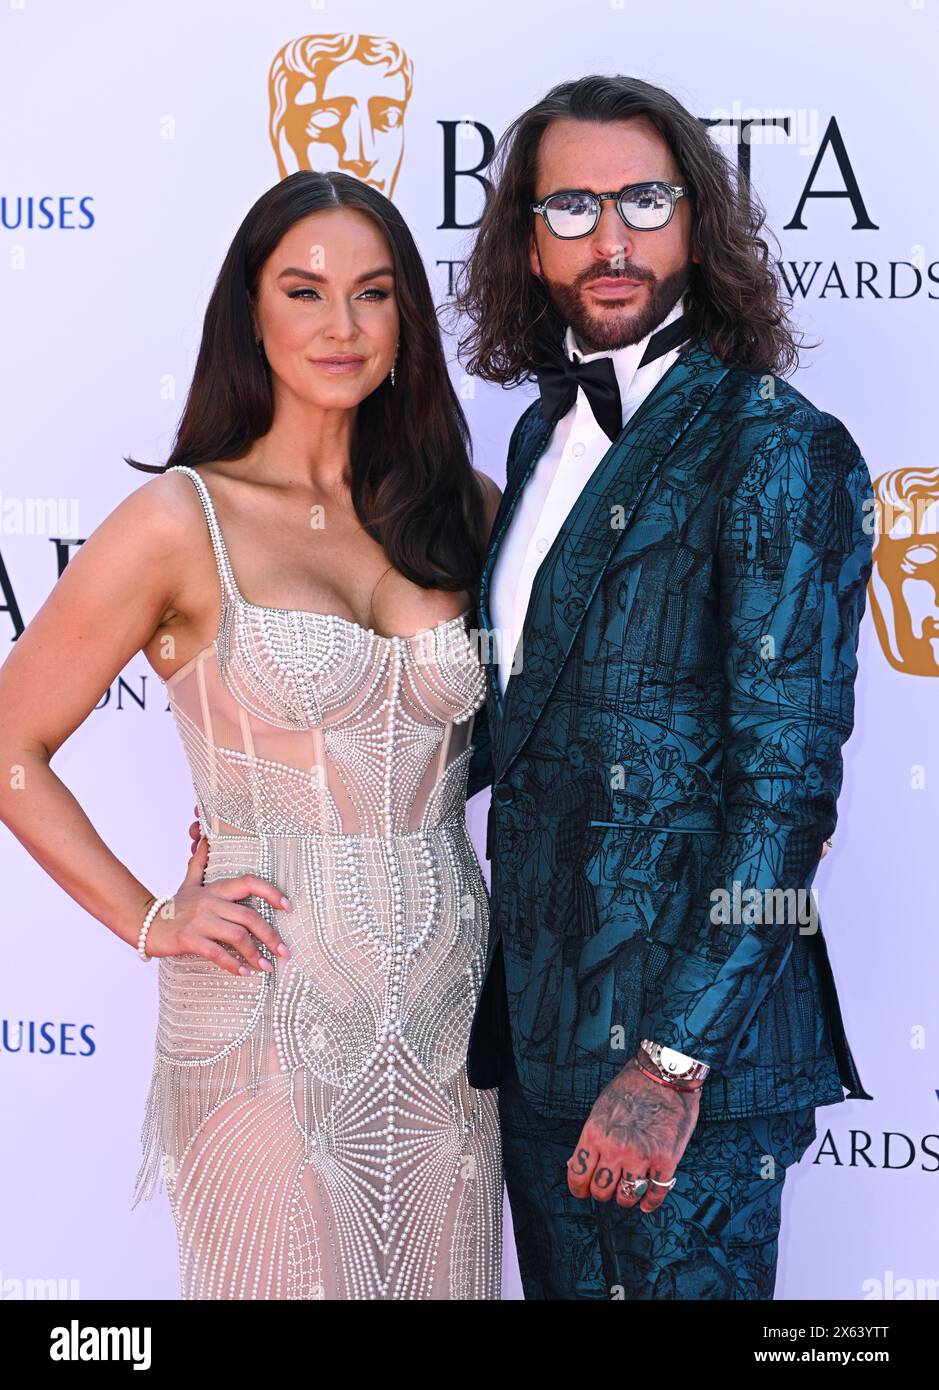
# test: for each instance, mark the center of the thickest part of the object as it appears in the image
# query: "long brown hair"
(412, 482)
(734, 299)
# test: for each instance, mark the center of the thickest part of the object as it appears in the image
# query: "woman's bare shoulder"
(165, 510)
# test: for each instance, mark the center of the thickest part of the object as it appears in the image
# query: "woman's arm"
(111, 600)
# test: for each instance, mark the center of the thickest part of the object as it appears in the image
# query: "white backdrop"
(145, 131)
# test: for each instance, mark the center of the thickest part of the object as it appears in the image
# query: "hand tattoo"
(636, 1112)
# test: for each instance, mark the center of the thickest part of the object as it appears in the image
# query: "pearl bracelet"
(151, 913)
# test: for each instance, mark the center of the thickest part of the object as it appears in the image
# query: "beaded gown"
(314, 1126)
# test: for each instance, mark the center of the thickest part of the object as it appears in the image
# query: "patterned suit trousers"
(714, 1236)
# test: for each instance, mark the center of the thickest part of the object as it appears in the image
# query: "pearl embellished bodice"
(355, 732)
(314, 1125)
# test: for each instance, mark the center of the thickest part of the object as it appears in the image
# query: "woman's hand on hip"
(204, 919)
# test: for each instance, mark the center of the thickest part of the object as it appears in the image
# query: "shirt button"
(541, 545)
(577, 450)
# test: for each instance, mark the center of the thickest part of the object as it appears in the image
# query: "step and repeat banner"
(134, 139)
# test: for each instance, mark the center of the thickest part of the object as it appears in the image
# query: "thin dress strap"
(226, 574)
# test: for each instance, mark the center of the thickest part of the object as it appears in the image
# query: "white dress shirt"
(576, 447)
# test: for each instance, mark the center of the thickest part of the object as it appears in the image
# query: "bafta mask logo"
(338, 103)
(904, 584)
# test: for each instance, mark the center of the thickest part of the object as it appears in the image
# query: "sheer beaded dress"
(314, 1126)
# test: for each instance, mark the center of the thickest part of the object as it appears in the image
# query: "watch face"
(675, 1062)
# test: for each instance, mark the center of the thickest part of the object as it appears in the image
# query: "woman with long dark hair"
(302, 574)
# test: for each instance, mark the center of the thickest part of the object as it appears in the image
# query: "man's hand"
(638, 1128)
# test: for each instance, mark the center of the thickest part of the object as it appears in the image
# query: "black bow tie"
(559, 377)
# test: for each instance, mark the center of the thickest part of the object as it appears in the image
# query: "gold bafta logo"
(338, 102)
(904, 586)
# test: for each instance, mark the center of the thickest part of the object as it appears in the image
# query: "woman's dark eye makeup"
(308, 289)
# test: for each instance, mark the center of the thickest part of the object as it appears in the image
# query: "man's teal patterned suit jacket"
(675, 726)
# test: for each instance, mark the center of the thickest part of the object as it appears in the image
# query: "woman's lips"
(338, 366)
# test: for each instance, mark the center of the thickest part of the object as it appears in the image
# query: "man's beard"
(609, 329)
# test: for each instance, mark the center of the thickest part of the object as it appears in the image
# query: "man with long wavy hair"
(673, 592)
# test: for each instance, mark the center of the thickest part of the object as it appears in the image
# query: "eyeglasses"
(574, 212)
